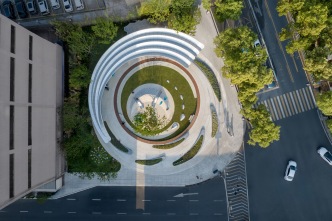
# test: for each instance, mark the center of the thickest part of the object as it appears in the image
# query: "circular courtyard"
(152, 106)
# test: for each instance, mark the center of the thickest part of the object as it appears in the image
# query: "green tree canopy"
(156, 10)
(264, 131)
(148, 123)
(184, 16)
(104, 30)
(207, 4)
(228, 9)
(79, 77)
(324, 103)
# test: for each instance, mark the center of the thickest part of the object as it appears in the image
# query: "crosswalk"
(289, 104)
(236, 186)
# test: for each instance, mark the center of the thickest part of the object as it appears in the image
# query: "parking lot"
(88, 5)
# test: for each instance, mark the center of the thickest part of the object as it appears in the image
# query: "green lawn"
(160, 75)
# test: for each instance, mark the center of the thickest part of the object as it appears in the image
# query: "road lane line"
(287, 105)
(281, 107)
(47, 211)
(306, 98)
(171, 214)
(71, 199)
(292, 55)
(290, 103)
(146, 213)
(279, 43)
(217, 214)
(71, 212)
(193, 214)
(309, 97)
(267, 104)
(193, 200)
(121, 200)
(277, 107)
(312, 96)
(24, 211)
(122, 213)
(294, 102)
(297, 92)
(96, 199)
(284, 107)
(146, 200)
(171, 200)
(218, 200)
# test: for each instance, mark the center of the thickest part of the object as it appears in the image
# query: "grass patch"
(211, 77)
(160, 75)
(149, 162)
(115, 141)
(168, 146)
(214, 122)
(191, 153)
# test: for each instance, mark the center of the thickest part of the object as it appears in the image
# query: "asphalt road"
(308, 196)
(206, 201)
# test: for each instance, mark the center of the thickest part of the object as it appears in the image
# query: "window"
(11, 127)
(29, 126)
(29, 168)
(12, 79)
(12, 39)
(30, 83)
(11, 175)
(30, 47)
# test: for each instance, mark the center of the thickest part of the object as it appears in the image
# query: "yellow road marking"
(279, 43)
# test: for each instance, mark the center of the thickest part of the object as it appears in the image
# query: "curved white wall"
(160, 42)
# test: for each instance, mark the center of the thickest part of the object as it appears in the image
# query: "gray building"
(31, 92)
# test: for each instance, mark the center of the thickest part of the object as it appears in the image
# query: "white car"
(290, 170)
(257, 43)
(43, 7)
(79, 4)
(325, 154)
(68, 5)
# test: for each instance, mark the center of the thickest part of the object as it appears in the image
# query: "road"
(205, 201)
(293, 108)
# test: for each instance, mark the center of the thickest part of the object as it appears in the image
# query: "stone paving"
(216, 156)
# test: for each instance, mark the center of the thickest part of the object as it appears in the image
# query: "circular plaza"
(152, 105)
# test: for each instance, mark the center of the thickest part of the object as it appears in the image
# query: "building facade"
(31, 95)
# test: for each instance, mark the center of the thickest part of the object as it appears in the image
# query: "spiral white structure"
(160, 42)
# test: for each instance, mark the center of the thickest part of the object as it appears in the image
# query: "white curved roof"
(159, 42)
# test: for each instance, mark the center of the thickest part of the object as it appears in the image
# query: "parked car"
(8, 9)
(21, 9)
(55, 4)
(325, 154)
(79, 4)
(290, 170)
(43, 7)
(257, 43)
(68, 5)
(32, 8)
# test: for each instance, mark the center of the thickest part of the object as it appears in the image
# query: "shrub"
(191, 153)
(149, 162)
(115, 141)
(168, 146)
(214, 122)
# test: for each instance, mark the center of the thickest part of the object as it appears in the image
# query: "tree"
(104, 30)
(148, 123)
(80, 43)
(71, 117)
(156, 10)
(79, 77)
(264, 131)
(184, 16)
(207, 4)
(228, 9)
(329, 124)
(317, 63)
(292, 6)
(324, 103)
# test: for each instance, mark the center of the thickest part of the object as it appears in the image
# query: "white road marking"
(218, 214)
(146, 200)
(71, 212)
(121, 213)
(71, 199)
(171, 214)
(121, 200)
(218, 200)
(193, 214)
(193, 200)
(47, 211)
(96, 199)
(24, 211)
(171, 200)
(146, 213)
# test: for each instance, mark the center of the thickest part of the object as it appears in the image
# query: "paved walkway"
(217, 156)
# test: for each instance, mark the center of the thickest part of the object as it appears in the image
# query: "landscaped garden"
(175, 83)
(191, 153)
